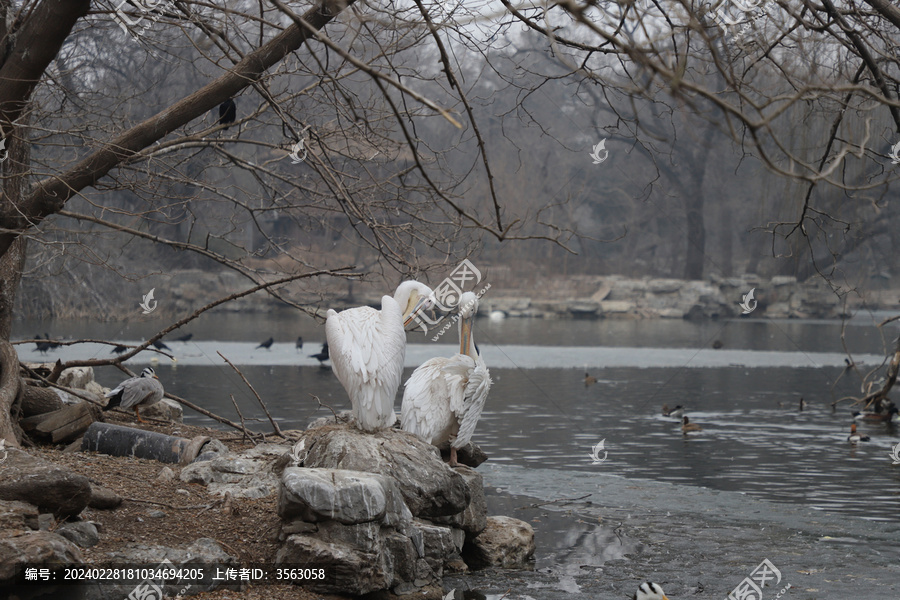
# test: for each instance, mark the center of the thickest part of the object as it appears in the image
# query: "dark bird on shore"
(227, 113)
(688, 427)
(855, 438)
(588, 380)
(266, 344)
(160, 345)
(118, 349)
(322, 356)
(136, 392)
(299, 343)
(185, 338)
(41, 347)
(717, 344)
(802, 403)
(53, 345)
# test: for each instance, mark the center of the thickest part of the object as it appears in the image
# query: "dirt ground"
(249, 534)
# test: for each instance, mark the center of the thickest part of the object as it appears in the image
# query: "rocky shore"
(331, 509)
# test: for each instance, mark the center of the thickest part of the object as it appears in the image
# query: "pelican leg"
(453, 462)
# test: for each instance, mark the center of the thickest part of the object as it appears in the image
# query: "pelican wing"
(367, 349)
(469, 383)
(425, 411)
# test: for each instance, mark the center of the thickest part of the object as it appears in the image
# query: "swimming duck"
(802, 403)
(588, 380)
(892, 414)
(855, 438)
(649, 591)
(675, 413)
(688, 427)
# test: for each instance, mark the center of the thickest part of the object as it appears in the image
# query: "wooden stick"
(252, 389)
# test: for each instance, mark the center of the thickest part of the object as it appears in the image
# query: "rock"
(257, 485)
(166, 474)
(81, 533)
(76, 377)
(156, 514)
(17, 516)
(473, 520)
(49, 487)
(348, 497)
(165, 409)
(617, 306)
(429, 487)
(348, 571)
(584, 309)
(36, 549)
(780, 280)
(505, 542)
(103, 498)
(203, 553)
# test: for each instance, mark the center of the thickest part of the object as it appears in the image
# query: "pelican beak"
(465, 336)
(408, 317)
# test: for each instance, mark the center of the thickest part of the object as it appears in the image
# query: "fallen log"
(39, 400)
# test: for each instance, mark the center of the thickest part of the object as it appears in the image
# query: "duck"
(891, 415)
(802, 403)
(588, 380)
(688, 427)
(649, 591)
(675, 413)
(144, 390)
(854, 437)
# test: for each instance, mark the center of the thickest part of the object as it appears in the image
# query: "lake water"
(540, 414)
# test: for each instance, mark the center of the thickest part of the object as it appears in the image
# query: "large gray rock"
(430, 488)
(103, 498)
(505, 542)
(48, 486)
(165, 409)
(36, 549)
(348, 497)
(473, 520)
(348, 570)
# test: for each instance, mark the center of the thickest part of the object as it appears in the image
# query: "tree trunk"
(12, 262)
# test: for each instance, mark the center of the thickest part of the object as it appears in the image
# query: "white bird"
(135, 392)
(367, 348)
(444, 397)
(649, 591)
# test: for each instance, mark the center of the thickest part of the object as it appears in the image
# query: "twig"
(164, 504)
(203, 411)
(46, 381)
(245, 434)
(275, 426)
(321, 404)
(559, 500)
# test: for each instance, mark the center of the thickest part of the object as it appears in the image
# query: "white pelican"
(367, 348)
(135, 392)
(444, 397)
